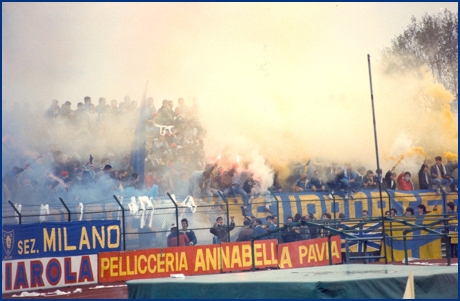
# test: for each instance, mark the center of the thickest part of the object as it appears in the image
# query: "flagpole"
(378, 164)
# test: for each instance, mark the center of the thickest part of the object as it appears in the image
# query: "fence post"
(252, 255)
(66, 208)
(391, 225)
(277, 213)
(228, 215)
(406, 257)
(347, 252)
(448, 254)
(177, 216)
(122, 221)
(329, 251)
(18, 213)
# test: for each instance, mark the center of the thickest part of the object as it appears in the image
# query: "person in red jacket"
(404, 181)
(172, 238)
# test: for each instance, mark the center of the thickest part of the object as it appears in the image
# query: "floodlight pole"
(379, 176)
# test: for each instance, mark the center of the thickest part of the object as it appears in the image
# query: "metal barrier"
(148, 227)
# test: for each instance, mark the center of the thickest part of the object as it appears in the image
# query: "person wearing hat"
(220, 231)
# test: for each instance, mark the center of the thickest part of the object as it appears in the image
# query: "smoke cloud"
(282, 82)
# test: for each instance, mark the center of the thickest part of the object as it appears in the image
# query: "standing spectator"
(409, 211)
(365, 214)
(220, 231)
(451, 166)
(114, 110)
(404, 181)
(10, 184)
(190, 234)
(259, 228)
(439, 174)
(314, 230)
(53, 111)
(66, 111)
(424, 177)
(421, 209)
(389, 180)
(101, 108)
(289, 233)
(172, 238)
(247, 232)
(304, 229)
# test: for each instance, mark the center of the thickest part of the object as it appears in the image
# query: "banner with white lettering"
(51, 272)
(60, 239)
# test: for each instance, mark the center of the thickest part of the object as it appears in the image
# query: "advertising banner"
(308, 253)
(50, 272)
(60, 239)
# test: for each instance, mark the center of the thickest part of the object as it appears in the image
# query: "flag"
(409, 293)
(138, 153)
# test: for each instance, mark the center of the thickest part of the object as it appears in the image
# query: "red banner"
(213, 259)
(237, 256)
(308, 253)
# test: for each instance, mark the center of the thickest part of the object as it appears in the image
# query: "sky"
(286, 81)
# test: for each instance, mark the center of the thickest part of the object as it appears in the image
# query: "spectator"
(270, 226)
(314, 230)
(439, 174)
(247, 232)
(424, 177)
(325, 217)
(220, 231)
(10, 184)
(389, 180)
(421, 209)
(317, 182)
(259, 229)
(289, 234)
(172, 238)
(369, 180)
(393, 212)
(190, 234)
(451, 166)
(238, 179)
(365, 214)
(304, 230)
(404, 181)
(199, 183)
(302, 184)
(54, 111)
(409, 211)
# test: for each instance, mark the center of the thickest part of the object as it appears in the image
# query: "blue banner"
(319, 202)
(60, 239)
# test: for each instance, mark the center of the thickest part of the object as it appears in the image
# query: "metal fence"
(146, 222)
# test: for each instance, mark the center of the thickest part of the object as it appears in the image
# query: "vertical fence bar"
(18, 213)
(66, 208)
(122, 221)
(448, 253)
(347, 251)
(406, 257)
(228, 215)
(329, 251)
(252, 255)
(177, 215)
